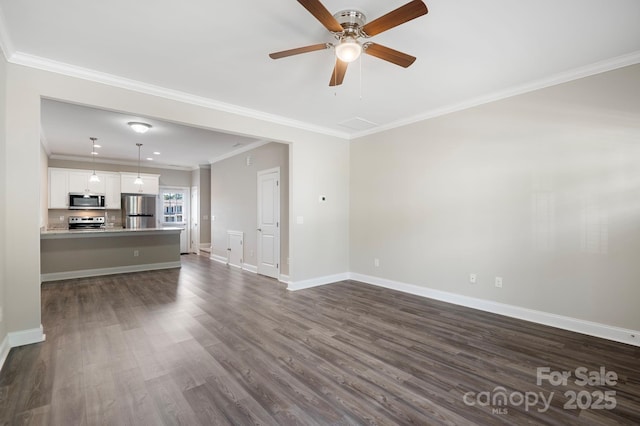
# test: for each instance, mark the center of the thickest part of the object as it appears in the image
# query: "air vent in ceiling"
(358, 123)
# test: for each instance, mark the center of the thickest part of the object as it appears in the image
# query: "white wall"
(542, 189)
(3, 200)
(321, 244)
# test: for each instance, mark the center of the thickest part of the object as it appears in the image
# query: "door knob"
(259, 229)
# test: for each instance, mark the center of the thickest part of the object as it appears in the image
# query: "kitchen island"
(68, 254)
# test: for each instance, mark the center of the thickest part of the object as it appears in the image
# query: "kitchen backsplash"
(59, 218)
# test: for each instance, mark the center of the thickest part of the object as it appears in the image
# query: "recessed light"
(94, 153)
(156, 153)
(149, 158)
(97, 146)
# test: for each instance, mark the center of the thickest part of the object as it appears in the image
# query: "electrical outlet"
(376, 262)
(136, 253)
(473, 278)
(61, 218)
(499, 282)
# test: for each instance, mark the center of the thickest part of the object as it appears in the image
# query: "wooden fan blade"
(389, 55)
(321, 13)
(403, 14)
(299, 50)
(338, 73)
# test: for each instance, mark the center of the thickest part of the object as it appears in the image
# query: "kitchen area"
(93, 233)
(122, 192)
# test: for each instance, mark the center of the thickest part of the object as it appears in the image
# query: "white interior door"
(195, 222)
(269, 222)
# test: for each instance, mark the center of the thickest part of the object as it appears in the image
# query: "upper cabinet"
(58, 188)
(112, 193)
(79, 181)
(150, 184)
(112, 185)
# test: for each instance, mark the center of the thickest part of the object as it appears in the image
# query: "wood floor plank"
(210, 344)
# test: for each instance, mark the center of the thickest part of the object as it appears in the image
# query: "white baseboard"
(56, 276)
(314, 282)
(20, 338)
(219, 259)
(284, 279)
(617, 334)
(250, 268)
(245, 266)
(4, 350)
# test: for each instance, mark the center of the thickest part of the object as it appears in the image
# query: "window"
(173, 207)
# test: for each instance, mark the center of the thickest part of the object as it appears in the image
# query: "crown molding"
(122, 163)
(32, 61)
(239, 151)
(563, 77)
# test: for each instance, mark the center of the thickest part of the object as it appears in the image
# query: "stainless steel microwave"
(82, 201)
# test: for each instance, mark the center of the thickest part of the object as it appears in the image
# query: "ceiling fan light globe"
(348, 50)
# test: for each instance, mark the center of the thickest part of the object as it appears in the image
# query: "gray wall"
(234, 201)
(168, 177)
(3, 193)
(201, 178)
(205, 205)
(542, 189)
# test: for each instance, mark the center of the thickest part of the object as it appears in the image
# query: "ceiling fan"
(348, 27)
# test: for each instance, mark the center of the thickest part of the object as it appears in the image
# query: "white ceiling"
(469, 52)
(66, 129)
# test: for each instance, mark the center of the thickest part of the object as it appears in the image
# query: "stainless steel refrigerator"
(138, 211)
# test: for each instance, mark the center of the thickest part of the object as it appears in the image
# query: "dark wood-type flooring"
(211, 345)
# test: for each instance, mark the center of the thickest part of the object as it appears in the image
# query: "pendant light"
(138, 180)
(94, 177)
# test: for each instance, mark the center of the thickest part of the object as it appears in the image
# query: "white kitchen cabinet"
(64, 181)
(79, 182)
(58, 188)
(112, 193)
(150, 184)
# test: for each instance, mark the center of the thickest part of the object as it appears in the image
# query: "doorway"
(173, 211)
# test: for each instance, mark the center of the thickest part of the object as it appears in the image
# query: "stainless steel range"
(80, 222)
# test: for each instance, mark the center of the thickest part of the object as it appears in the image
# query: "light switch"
(300, 220)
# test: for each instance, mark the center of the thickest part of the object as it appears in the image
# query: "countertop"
(105, 232)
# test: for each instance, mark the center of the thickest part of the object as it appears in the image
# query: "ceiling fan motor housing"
(352, 22)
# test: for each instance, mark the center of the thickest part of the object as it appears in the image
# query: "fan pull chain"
(360, 63)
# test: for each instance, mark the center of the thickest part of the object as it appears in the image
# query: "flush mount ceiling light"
(94, 177)
(139, 127)
(138, 180)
